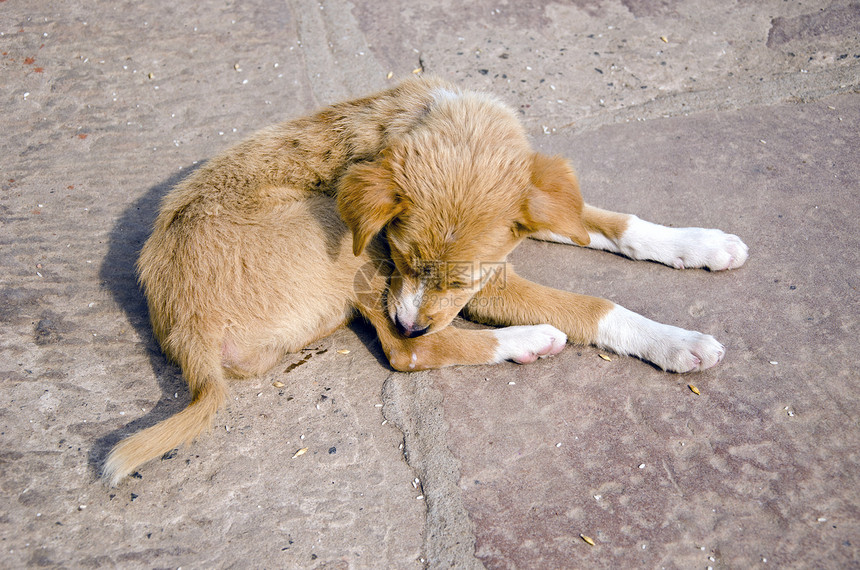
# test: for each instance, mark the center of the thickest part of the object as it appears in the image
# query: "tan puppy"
(401, 207)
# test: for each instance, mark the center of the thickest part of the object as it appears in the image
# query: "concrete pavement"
(744, 117)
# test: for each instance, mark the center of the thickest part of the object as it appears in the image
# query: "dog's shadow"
(119, 277)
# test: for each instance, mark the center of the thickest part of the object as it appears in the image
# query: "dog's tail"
(208, 390)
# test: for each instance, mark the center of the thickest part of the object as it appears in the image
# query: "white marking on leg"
(678, 247)
(527, 343)
(546, 235)
(671, 348)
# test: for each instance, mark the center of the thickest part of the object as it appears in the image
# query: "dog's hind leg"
(591, 320)
(677, 247)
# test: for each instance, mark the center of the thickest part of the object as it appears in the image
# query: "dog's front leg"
(453, 346)
(677, 247)
(591, 320)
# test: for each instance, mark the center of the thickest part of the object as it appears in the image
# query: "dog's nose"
(409, 331)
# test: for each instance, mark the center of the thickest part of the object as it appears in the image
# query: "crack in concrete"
(415, 408)
(343, 41)
(410, 403)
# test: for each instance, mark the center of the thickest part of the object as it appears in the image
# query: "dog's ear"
(367, 200)
(554, 203)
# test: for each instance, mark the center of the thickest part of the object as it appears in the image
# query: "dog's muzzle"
(409, 331)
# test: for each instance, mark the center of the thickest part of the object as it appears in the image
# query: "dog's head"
(454, 197)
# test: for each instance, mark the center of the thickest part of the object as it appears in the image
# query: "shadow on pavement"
(119, 277)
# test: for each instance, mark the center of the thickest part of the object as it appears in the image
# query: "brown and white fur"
(401, 207)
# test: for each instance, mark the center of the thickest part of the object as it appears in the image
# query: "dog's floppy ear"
(554, 203)
(367, 200)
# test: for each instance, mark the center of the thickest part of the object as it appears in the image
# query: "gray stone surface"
(742, 116)
(763, 465)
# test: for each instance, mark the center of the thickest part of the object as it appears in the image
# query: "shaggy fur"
(401, 207)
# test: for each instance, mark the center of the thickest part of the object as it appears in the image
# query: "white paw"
(671, 348)
(687, 351)
(677, 247)
(711, 249)
(524, 344)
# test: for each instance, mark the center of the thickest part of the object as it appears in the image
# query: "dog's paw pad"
(525, 344)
